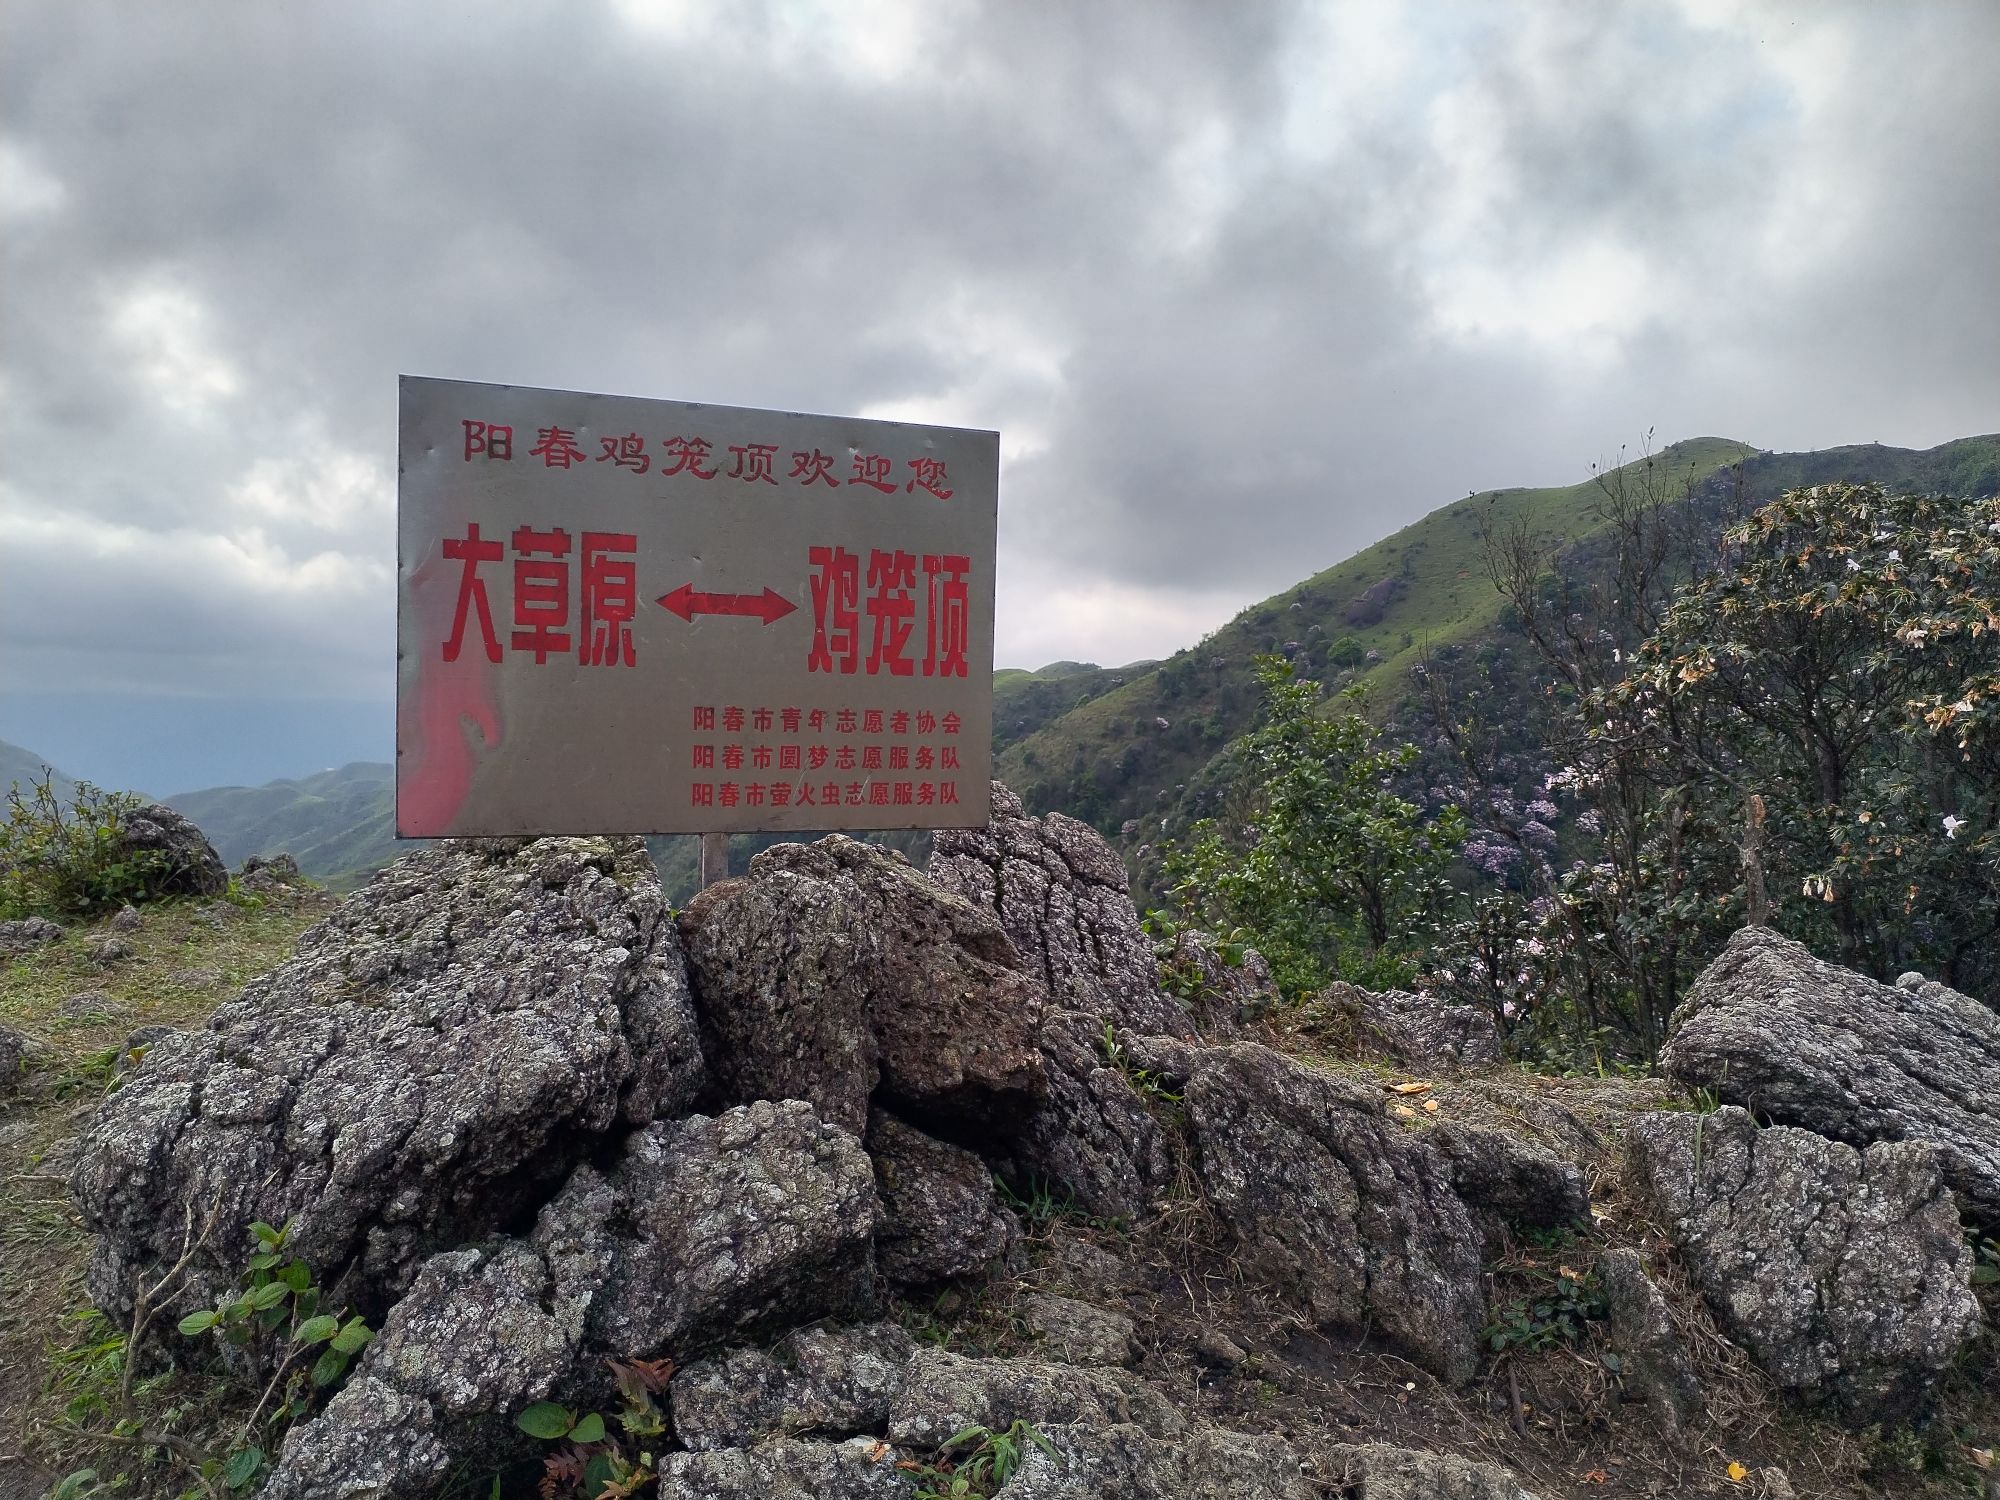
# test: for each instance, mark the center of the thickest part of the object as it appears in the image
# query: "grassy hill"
(338, 824)
(1130, 754)
(21, 767)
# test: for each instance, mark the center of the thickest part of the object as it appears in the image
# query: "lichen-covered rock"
(940, 1214)
(836, 972)
(1079, 1333)
(815, 1382)
(1653, 1362)
(428, 1065)
(276, 876)
(1510, 1182)
(29, 932)
(1416, 1032)
(478, 1339)
(1221, 995)
(1093, 1139)
(1376, 1471)
(1334, 1201)
(1091, 1462)
(1061, 893)
(787, 1469)
(945, 1393)
(16, 1050)
(708, 1229)
(1807, 1043)
(177, 858)
(1843, 1272)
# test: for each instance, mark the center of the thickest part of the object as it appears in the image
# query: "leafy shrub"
(989, 1464)
(70, 862)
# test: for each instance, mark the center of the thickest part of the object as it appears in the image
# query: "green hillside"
(338, 824)
(21, 767)
(1132, 752)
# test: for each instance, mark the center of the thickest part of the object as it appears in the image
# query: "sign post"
(618, 615)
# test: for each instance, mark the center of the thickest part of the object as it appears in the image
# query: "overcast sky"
(1243, 287)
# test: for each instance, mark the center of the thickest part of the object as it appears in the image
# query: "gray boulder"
(17, 1053)
(1653, 1363)
(178, 858)
(1416, 1032)
(1333, 1200)
(29, 932)
(1093, 1139)
(787, 1469)
(478, 1339)
(1062, 895)
(1510, 1182)
(1079, 1333)
(836, 972)
(1222, 996)
(427, 1067)
(1844, 1273)
(1376, 1471)
(1090, 1462)
(1807, 1043)
(712, 1229)
(815, 1382)
(940, 1214)
(945, 1393)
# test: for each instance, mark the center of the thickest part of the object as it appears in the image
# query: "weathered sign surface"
(627, 616)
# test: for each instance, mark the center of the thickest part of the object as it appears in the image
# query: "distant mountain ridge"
(1114, 745)
(22, 767)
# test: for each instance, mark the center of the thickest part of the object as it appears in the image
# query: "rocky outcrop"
(707, 1229)
(17, 1050)
(1222, 996)
(945, 1393)
(1078, 1333)
(1335, 1201)
(1802, 1042)
(1089, 1462)
(1093, 1140)
(815, 1382)
(787, 1469)
(1653, 1364)
(1061, 893)
(1417, 1032)
(836, 973)
(175, 856)
(1376, 1471)
(28, 933)
(426, 1068)
(1844, 1273)
(1509, 1182)
(941, 1217)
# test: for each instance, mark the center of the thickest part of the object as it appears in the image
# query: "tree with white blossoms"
(1835, 686)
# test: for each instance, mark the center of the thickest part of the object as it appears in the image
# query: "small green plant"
(1043, 1204)
(1554, 1314)
(985, 1466)
(1145, 1080)
(58, 861)
(292, 1348)
(1985, 1260)
(591, 1462)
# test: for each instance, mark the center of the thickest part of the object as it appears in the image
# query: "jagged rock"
(1375, 1471)
(814, 1382)
(29, 932)
(138, 1043)
(1414, 1031)
(1093, 1139)
(836, 971)
(109, 949)
(940, 1214)
(1062, 895)
(1222, 996)
(478, 1339)
(126, 919)
(1092, 1462)
(275, 876)
(785, 1469)
(16, 1049)
(1806, 1043)
(178, 859)
(1509, 1181)
(1653, 1363)
(945, 1393)
(1843, 1272)
(1079, 1333)
(1339, 1204)
(91, 1003)
(429, 1064)
(706, 1229)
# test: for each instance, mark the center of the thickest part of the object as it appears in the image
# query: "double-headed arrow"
(687, 602)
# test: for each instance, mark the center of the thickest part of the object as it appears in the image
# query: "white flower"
(1853, 566)
(1895, 554)
(1952, 823)
(1510, 1010)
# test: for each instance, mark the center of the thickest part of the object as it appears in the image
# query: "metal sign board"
(618, 615)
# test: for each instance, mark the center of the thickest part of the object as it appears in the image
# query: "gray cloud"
(1245, 287)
